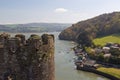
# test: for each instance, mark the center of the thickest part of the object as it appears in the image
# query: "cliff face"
(31, 59)
(102, 25)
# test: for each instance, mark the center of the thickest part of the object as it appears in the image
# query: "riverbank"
(99, 72)
(111, 71)
(83, 62)
(108, 72)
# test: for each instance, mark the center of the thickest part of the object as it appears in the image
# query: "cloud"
(61, 10)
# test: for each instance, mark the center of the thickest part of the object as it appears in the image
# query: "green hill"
(114, 38)
(102, 25)
(34, 27)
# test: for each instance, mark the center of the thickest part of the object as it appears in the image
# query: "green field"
(112, 71)
(115, 38)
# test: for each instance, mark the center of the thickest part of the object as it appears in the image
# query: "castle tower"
(31, 59)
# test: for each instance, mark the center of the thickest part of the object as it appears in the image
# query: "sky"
(54, 11)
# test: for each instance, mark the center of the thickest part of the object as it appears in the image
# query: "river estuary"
(64, 65)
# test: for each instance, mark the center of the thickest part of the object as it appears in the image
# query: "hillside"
(101, 25)
(34, 27)
(114, 38)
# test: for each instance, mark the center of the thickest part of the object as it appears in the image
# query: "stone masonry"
(31, 59)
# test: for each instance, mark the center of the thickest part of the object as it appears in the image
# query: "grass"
(112, 71)
(115, 38)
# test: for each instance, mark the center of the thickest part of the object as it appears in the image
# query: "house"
(98, 50)
(107, 55)
(106, 49)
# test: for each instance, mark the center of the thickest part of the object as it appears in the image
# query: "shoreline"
(84, 64)
(97, 72)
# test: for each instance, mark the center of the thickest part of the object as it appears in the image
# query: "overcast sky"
(54, 11)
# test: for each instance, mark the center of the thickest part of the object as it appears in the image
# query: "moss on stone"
(34, 36)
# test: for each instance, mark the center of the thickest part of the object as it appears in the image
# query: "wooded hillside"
(101, 25)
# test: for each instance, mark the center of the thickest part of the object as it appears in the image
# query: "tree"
(84, 39)
(100, 57)
(115, 51)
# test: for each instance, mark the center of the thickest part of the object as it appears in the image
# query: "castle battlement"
(31, 59)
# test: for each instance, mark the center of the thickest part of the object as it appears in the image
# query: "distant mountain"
(34, 27)
(101, 25)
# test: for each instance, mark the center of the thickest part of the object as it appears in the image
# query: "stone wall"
(31, 59)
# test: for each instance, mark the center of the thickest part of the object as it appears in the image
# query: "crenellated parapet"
(31, 59)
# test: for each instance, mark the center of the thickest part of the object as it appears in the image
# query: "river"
(64, 65)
